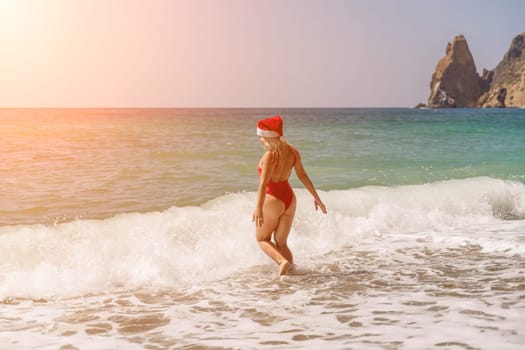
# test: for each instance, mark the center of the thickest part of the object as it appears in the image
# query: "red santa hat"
(270, 127)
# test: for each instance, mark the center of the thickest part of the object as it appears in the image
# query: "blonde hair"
(279, 148)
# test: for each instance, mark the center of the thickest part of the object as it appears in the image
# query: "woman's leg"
(273, 208)
(283, 230)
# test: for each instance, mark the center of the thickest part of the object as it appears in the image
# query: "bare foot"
(285, 265)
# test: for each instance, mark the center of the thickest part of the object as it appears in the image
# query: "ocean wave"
(186, 245)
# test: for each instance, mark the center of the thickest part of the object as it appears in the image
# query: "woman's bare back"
(283, 167)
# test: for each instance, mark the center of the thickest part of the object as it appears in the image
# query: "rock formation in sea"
(456, 82)
(507, 81)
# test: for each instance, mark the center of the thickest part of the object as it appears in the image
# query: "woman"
(276, 202)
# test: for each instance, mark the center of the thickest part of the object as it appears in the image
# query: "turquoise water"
(131, 229)
(405, 146)
(72, 161)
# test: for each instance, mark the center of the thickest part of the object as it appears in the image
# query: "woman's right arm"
(267, 161)
(303, 177)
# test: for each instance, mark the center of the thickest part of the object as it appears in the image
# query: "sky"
(240, 53)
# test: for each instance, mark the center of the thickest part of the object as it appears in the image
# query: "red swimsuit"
(280, 190)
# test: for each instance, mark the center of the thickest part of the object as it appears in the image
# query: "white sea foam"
(183, 246)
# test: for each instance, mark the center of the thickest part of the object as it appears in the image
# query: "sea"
(131, 229)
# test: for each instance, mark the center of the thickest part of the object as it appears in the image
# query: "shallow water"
(411, 298)
(132, 229)
(60, 165)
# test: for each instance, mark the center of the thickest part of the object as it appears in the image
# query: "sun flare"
(8, 9)
(15, 17)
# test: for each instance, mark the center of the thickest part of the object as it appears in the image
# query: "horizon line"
(151, 107)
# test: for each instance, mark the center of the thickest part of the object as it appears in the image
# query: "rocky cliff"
(456, 82)
(507, 81)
